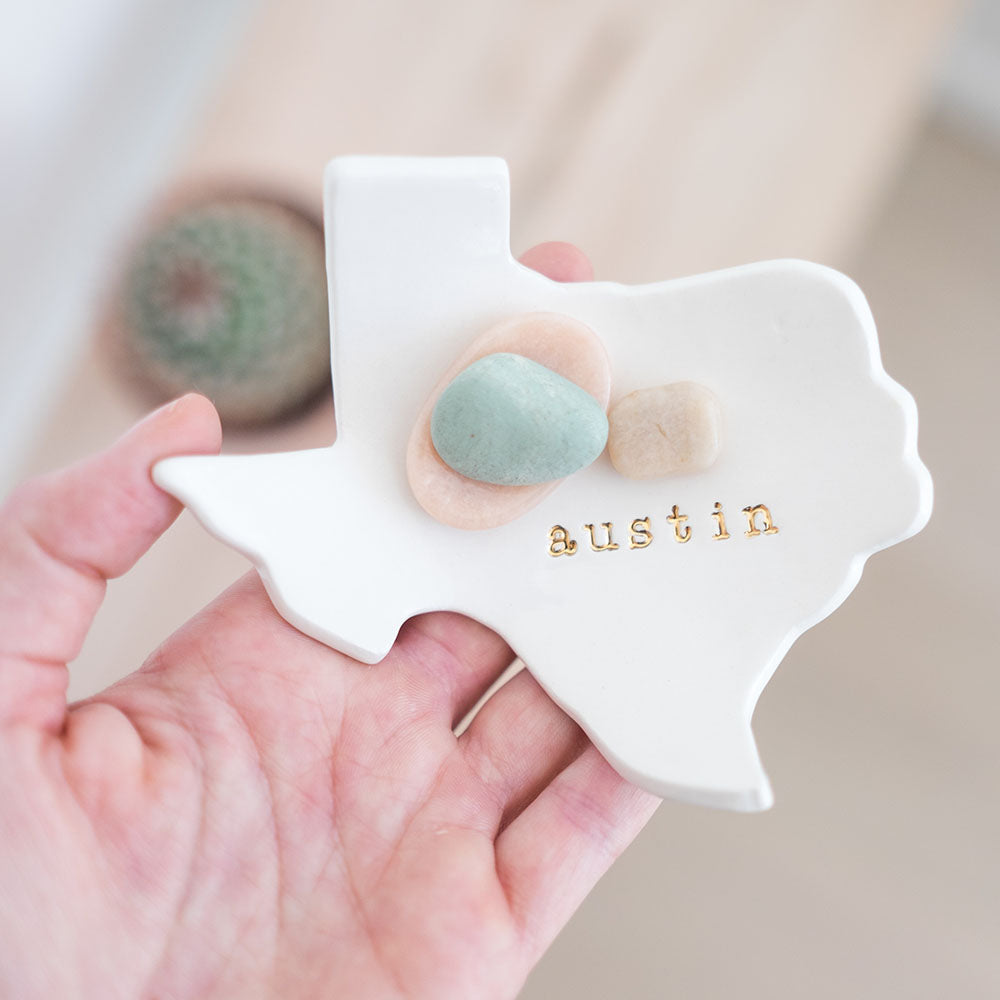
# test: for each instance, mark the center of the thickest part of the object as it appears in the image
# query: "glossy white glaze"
(659, 652)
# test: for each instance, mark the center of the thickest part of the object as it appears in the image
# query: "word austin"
(640, 531)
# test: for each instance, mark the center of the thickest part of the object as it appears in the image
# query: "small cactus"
(228, 298)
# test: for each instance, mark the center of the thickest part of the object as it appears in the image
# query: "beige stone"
(665, 430)
(566, 346)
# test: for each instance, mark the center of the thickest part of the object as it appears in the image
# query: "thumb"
(63, 536)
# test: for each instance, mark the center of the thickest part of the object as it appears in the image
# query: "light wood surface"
(669, 138)
(665, 137)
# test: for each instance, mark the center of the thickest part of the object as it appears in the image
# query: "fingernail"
(160, 411)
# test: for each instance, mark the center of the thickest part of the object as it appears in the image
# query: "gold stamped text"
(752, 530)
(760, 521)
(560, 544)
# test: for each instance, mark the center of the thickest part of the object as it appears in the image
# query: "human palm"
(252, 814)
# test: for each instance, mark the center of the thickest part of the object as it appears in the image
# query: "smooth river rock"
(510, 421)
(563, 345)
(665, 430)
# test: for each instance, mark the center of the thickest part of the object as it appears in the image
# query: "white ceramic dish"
(659, 651)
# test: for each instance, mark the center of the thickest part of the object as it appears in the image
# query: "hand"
(252, 814)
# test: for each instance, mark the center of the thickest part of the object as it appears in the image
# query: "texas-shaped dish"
(659, 626)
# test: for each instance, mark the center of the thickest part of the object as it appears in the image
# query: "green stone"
(513, 422)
